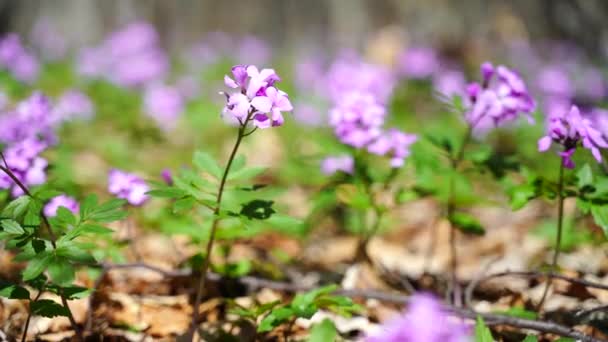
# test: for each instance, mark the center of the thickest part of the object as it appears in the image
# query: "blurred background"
(324, 24)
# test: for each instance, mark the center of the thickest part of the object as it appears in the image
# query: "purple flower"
(164, 104)
(30, 119)
(167, 176)
(568, 128)
(450, 83)
(501, 99)
(419, 62)
(333, 164)
(131, 57)
(72, 104)
(350, 74)
(308, 115)
(253, 50)
(424, 321)
(553, 80)
(50, 209)
(22, 65)
(394, 143)
(23, 159)
(127, 186)
(256, 99)
(357, 119)
(49, 43)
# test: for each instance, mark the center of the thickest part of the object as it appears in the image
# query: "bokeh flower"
(70, 203)
(395, 144)
(14, 57)
(333, 164)
(164, 104)
(128, 186)
(357, 119)
(424, 321)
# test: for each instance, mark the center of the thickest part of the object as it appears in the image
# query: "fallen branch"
(537, 274)
(490, 319)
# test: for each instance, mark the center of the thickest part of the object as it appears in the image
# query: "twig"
(536, 274)
(489, 318)
(468, 294)
(29, 317)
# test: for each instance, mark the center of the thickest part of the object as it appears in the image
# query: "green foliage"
(482, 332)
(530, 338)
(467, 223)
(305, 305)
(48, 308)
(323, 332)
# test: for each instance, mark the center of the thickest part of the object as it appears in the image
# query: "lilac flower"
(23, 159)
(253, 50)
(333, 164)
(30, 119)
(22, 65)
(307, 114)
(357, 119)
(419, 62)
(568, 129)
(131, 57)
(256, 98)
(553, 80)
(394, 143)
(50, 209)
(164, 104)
(501, 99)
(350, 74)
(450, 83)
(424, 321)
(127, 186)
(72, 104)
(167, 176)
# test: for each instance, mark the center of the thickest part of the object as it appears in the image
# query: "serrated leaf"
(12, 227)
(36, 266)
(61, 271)
(323, 332)
(73, 252)
(48, 308)
(247, 173)
(76, 292)
(521, 195)
(16, 207)
(13, 291)
(584, 176)
(482, 332)
(183, 205)
(167, 192)
(467, 223)
(204, 162)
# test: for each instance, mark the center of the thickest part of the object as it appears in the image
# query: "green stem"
(451, 208)
(558, 241)
(209, 248)
(6, 169)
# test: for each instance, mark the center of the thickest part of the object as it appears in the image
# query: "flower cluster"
(500, 99)
(424, 320)
(131, 57)
(128, 186)
(164, 104)
(31, 118)
(395, 144)
(351, 74)
(72, 104)
(23, 160)
(255, 99)
(333, 164)
(357, 119)
(70, 203)
(22, 65)
(568, 128)
(419, 62)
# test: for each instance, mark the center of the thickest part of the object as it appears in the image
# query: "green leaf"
(61, 271)
(76, 292)
(17, 207)
(521, 195)
(584, 176)
(204, 162)
(600, 216)
(37, 265)
(87, 206)
(520, 312)
(482, 332)
(530, 338)
(275, 318)
(246, 173)
(12, 227)
(48, 308)
(467, 223)
(167, 192)
(353, 196)
(238, 163)
(74, 252)
(13, 291)
(109, 211)
(183, 205)
(323, 332)
(66, 216)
